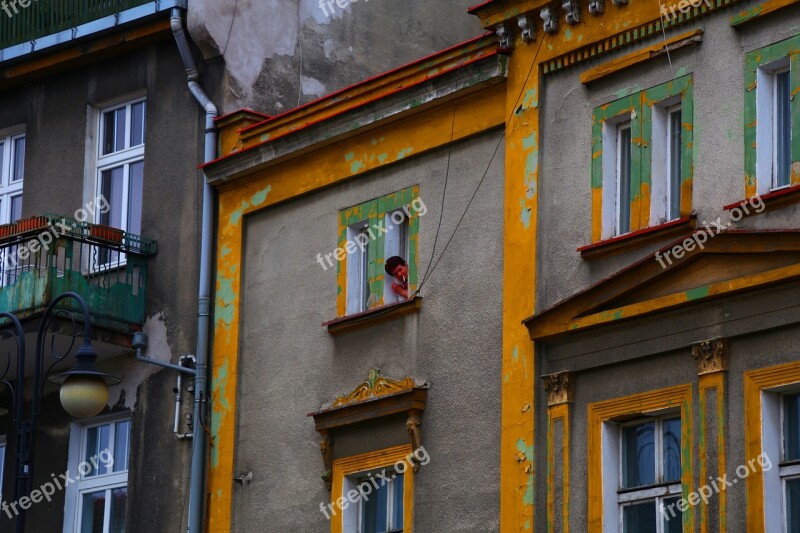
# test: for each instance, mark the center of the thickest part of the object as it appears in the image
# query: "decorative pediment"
(678, 275)
(374, 387)
(377, 397)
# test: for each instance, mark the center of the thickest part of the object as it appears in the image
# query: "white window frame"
(9, 189)
(772, 438)
(611, 173)
(73, 501)
(352, 516)
(357, 270)
(395, 243)
(615, 498)
(661, 200)
(124, 158)
(766, 126)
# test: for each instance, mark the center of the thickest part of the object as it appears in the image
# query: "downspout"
(197, 489)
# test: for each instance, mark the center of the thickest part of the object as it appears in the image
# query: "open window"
(371, 234)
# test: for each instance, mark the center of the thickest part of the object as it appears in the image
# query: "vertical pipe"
(197, 488)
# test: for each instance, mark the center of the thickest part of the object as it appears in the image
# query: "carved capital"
(711, 356)
(549, 18)
(559, 387)
(415, 434)
(326, 448)
(573, 11)
(526, 24)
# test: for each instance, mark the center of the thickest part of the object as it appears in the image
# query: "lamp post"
(84, 388)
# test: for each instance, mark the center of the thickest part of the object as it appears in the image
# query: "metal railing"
(56, 254)
(45, 17)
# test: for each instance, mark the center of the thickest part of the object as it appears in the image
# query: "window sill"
(637, 238)
(779, 198)
(373, 316)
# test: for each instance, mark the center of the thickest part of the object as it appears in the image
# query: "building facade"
(634, 360)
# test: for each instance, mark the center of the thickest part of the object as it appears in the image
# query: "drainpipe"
(197, 489)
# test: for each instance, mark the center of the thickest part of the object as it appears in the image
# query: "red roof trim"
(635, 234)
(788, 191)
(473, 9)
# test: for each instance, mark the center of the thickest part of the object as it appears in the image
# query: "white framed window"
(774, 126)
(666, 161)
(120, 169)
(622, 178)
(358, 267)
(12, 173)
(617, 161)
(381, 512)
(395, 244)
(645, 454)
(98, 461)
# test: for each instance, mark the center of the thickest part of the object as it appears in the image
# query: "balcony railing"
(64, 20)
(47, 255)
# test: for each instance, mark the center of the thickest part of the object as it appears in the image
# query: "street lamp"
(84, 388)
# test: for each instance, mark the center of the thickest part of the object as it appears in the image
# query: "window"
(12, 171)
(650, 476)
(2, 464)
(639, 461)
(120, 171)
(99, 463)
(382, 512)
(790, 463)
(641, 164)
(772, 140)
(387, 478)
(371, 233)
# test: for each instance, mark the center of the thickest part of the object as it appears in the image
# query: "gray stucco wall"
(54, 112)
(290, 365)
(279, 54)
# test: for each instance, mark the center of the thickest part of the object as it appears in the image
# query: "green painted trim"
(640, 105)
(753, 61)
(374, 213)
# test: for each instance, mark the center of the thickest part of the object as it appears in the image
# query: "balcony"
(46, 23)
(44, 256)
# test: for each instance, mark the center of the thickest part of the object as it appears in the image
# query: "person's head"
(396, 267)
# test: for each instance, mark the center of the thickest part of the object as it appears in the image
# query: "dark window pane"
(18, 161)
(108, 132)
(136, 176)
(16, 208)
(791, 427)
(374, 511)
(2, 162)
(121, 446)
(397, 503)
(119, 129)
(117, 519)
(638, 455)
(672, 449)
(675, 164)
(793, 505)
(783, 129)
(137, 124)
(98, 439)
(624, 179)
(111, 189)
(639, 518)
(673, 518)
(93, 512)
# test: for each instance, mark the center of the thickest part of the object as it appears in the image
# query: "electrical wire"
(230, 29)
(485, 173)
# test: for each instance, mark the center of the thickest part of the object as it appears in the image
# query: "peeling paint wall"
(279, 54)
